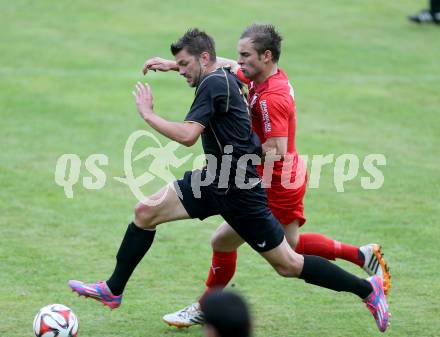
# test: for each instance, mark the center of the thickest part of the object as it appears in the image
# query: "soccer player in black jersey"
(229, 185)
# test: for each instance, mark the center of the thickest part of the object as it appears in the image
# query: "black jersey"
(221, 107)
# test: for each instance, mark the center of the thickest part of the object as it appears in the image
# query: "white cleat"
(189, 316)
(375, 264)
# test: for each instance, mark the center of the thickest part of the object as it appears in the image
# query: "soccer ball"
(55, 320)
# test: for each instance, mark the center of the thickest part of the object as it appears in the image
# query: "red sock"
(320, 245)
(349, 253)
(221, 272)
(316, 244)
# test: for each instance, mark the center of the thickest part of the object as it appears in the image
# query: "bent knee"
(287, 271)
(290, 268)
(292, 234)
(145, 216)
(293, 240)
(221, 242)
(218, 243)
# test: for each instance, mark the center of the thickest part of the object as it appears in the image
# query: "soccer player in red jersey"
(272, 105)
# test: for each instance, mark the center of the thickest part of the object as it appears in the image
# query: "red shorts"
(287, 204)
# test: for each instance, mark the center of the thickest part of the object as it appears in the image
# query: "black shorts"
(246, 211)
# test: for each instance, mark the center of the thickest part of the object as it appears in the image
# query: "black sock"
(323, 273)
(133, 247)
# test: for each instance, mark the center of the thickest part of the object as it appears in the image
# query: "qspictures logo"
(158, 160)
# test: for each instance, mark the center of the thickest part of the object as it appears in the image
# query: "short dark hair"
(227, 313)
(264, 37)
(195, 42)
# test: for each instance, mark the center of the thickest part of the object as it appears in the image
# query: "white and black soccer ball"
(56, 320)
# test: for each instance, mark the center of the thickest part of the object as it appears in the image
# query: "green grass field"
(366, 81)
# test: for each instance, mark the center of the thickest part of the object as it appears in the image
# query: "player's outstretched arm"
(224, 62)
(160, 64)
(183, 133)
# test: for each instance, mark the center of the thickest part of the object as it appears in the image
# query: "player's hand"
(144, 100)
(158, 63)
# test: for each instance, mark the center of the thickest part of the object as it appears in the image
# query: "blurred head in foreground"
(226, 315)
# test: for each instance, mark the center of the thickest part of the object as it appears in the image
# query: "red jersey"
(273, 115)
(272, 106)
